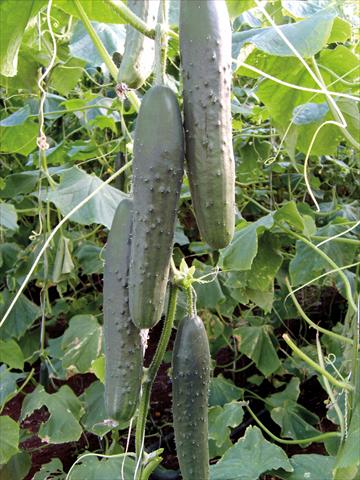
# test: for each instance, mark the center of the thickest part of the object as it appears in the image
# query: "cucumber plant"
(139, 51)
(123, 349)
(205, 48)
(157, 175)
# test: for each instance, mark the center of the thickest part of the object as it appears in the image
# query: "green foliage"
(241, 292)
(264, 456)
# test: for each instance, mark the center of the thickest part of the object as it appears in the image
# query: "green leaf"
(65, 412)
(294, 419)
(53, 470)
(8, 383)
(221, 418)
(12, 27)
(309, 466)
(75, 186)
(301, 9)
(65, 77)
(241, 252)
(309, 113)
(11, 354)
(108, 469)
(8, 216)
(235, 464)
(81, 45)
(98, 10)
(340, 253)
(341, 31)
(90, 258)
(19, 138)
(95, 417)
(237, 7)
(210, 294)
(9, 444)
(98, 368)
(316, 29)
(223, 391)
(19, 183)
(16, 118)
(81, 343)
(17, 467)
(21, 317)
(290, 214)
(256, 343)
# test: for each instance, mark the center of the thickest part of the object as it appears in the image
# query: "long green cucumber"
(205, 47)
(158, 166)
(139, 51)
(123, 350)
(191, 371)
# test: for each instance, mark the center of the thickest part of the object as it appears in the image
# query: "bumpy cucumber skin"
(158, 167)
(205, 46)
(123, 350)
(139, 51)
(191, 372)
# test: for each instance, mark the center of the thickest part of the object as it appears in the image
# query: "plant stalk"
(151, 374)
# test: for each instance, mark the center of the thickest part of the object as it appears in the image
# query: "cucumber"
(158, 167)
(191, 371)
(123, 350)
(139, 51)
(205, 48)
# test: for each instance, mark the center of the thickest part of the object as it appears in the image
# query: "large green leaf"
(11, 354)
(256, 343)
(53, 470)
(311, 466)
(9, 444)
(251, 456)
(81, 343)
(108, 469)
(17, 467)
(65, 412)
(223, 391)
(19, 183)
(237, 7)
(95, 416)
(13, 22)
(8, 383)
(341, 253)
(210, 294)
(301, 9)
(75, 186)
(241, 252)
(294, 419)
(19, 138)
(221, 418)
(98, 10)
(21, 317)
(316, 29)
(8, 216)
(81, 45)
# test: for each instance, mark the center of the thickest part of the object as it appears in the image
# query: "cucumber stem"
(161, 43)
(151, 374)
(103, 52)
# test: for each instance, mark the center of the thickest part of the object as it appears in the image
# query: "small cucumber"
(158, 166)
(123, 350)
(205, 47)
(139, 51)
(191, 371)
